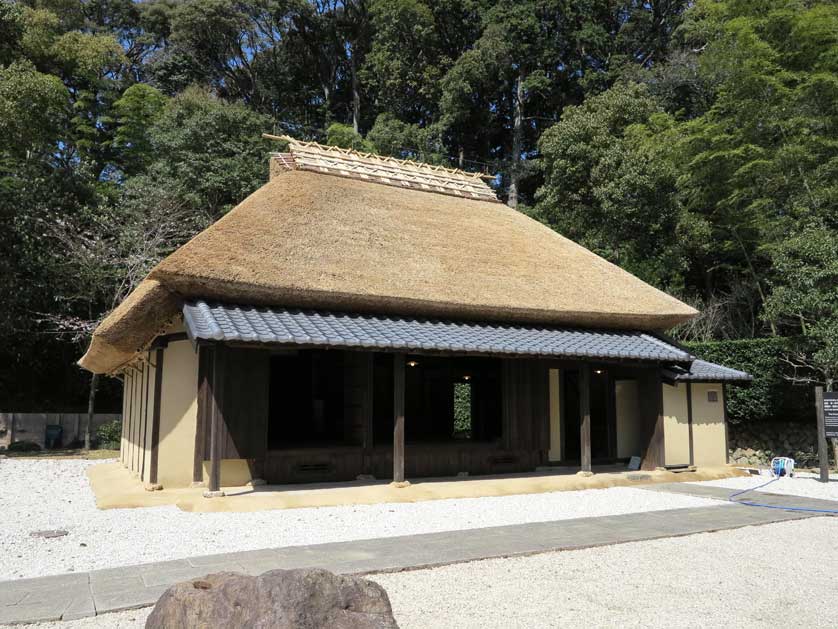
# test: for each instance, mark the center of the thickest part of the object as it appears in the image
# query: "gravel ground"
(803, 484)
(54, 494)
(725, 579)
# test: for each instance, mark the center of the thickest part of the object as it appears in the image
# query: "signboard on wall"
(830, 413)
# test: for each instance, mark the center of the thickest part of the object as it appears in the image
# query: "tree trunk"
(91, 403)
(356, 93)
(461, 157)
(517, 141)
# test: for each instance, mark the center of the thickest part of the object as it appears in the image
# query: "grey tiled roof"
(703, 371)
(224, 322)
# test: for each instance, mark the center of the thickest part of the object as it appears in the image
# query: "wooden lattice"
(379, 169)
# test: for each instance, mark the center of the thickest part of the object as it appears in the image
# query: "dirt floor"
(117, 488)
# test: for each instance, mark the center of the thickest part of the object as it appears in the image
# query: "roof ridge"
(334, 160)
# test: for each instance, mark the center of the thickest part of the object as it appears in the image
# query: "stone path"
(71, 596)
(781, 501)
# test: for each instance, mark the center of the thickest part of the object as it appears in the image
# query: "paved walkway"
(71, 596)
(781, 501)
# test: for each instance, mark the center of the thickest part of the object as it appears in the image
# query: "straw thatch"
(334, 160)
(321, 241)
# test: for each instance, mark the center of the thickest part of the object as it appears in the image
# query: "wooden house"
(361, 316)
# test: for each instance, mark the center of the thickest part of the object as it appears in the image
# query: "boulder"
(280, 599)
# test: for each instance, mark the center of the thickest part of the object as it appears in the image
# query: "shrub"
(24, 446)
(109, 434)
(770, 397)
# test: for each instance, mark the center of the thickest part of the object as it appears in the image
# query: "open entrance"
(602, 429)
(308, 406)
(446, 399)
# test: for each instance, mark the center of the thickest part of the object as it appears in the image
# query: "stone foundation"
(758, 444)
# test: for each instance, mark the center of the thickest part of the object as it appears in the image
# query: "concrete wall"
(32, 426)
(709, 440)
(629, 428)
(178, 415)
(676, 428)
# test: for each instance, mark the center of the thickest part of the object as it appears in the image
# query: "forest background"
(692, 143)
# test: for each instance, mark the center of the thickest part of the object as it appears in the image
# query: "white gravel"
(48, 494)
(727, 579)
(802, 484)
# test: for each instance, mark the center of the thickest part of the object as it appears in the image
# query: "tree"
(209, 150)
(610, 183)
(804, 299)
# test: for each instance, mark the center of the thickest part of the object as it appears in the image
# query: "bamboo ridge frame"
(381, 169)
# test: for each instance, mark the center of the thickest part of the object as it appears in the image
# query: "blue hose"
(764, 506)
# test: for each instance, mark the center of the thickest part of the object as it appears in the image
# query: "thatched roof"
(314, 240)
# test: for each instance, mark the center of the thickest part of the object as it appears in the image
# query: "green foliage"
(805, 294)
(462, 409)
(32, 108)
(610, 183)
(136, 110)
(109, 435)
(210, 150)
(24, 446)
(345, 136)
(770, 397)
(391, 136)
(692, 143)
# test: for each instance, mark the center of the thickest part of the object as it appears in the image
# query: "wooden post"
(654, 455)
(585, 417)
(398, 418)
(216, 418)
(690, 422)
(205, 354)
(823, 455)
(155, 420)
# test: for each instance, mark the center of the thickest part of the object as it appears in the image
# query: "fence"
(32, 426)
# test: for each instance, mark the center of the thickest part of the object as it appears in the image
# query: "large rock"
(279, 599)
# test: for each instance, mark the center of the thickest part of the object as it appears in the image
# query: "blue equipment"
(782, 466)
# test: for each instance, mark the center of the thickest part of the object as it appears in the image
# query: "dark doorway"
(446, 399)
(306, 403)
(600, 385)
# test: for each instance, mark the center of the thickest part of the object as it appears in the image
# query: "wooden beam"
(655, 455)
(585, 416)
(205, 353)
(690, 422)
(367, 425)
(611, 413)
(398, 418)
(155, 420)
(823, 454)
(216, 424)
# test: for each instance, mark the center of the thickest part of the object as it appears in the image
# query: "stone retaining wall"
(32, 426)
(758, 444)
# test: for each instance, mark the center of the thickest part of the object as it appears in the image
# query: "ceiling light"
(412, 363)
(466, 377)
(598, 371)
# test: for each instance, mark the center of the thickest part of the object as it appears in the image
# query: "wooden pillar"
(216, 418)
(611, 413)
(585, 416)
(823, 454)
(690, 422)
(205, 362)
(155, 420)
(367, 426)
(398, 418)
(654, 455)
